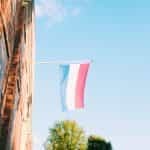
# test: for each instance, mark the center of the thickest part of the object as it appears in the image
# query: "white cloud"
(56, 10)
(75, 11)
(52, 9)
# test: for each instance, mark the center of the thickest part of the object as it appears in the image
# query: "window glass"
(3, 59)
(13, 5)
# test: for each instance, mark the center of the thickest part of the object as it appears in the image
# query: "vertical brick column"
(8, 101)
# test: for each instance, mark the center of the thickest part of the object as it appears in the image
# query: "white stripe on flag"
(71, 86)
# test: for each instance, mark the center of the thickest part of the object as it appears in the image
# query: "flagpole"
(64, 62)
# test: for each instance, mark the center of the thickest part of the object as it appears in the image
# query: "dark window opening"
(6, 44)
(24, 33)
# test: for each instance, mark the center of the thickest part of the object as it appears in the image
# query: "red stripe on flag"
(79, 103)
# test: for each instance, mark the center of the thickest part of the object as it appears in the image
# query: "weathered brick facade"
(16, 73)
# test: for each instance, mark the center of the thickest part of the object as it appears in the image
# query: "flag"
(72, 83)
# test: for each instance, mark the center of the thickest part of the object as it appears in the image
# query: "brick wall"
(16, 78)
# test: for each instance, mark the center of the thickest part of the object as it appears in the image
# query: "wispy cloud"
(38, 143)
(52, 9)
(75, 11)
(56, 10)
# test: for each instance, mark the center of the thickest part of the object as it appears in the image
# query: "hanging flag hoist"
(73, 76)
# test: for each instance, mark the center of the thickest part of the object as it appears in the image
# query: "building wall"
(16, 73)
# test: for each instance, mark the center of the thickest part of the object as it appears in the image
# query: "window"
(3, 59)
(25, 33)
(13, 5)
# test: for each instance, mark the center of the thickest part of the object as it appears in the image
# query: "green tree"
(98, 143)
(66, 135)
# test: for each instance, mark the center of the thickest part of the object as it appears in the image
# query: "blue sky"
(116, 35)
